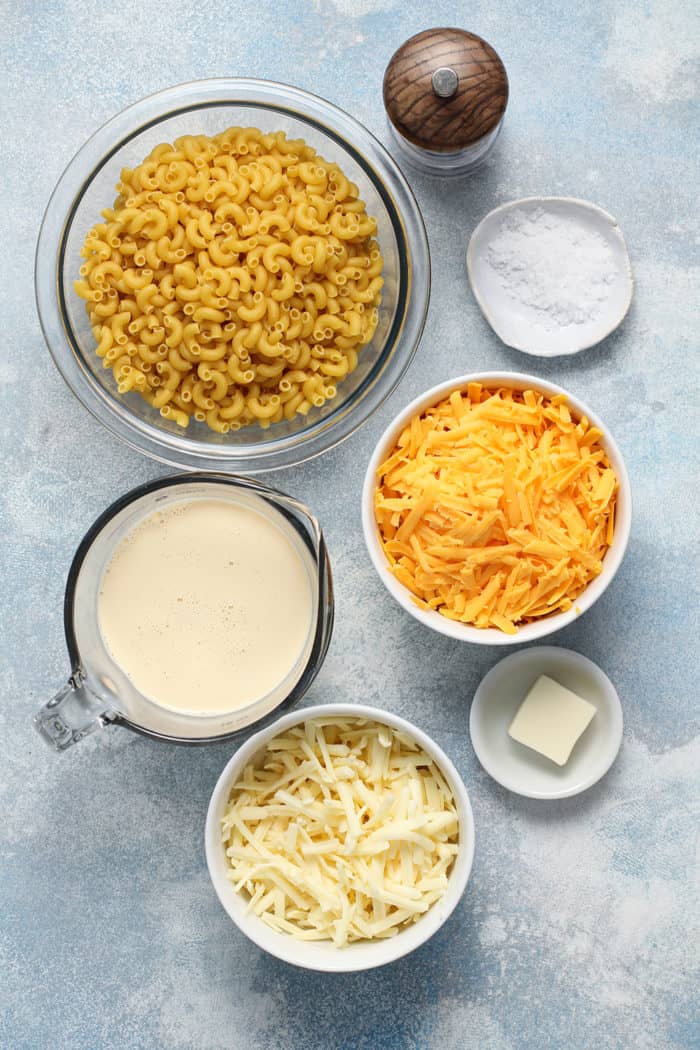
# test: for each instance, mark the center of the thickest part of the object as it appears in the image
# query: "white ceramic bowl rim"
(484, 306)
(260, 453)
(491, 635)
(323, 955)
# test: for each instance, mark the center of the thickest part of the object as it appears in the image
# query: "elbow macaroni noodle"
(235, 280)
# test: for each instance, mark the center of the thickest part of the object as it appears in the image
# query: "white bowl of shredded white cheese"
(551, 275)
(339, 838)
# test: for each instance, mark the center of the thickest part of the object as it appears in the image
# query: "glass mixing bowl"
(208, 107)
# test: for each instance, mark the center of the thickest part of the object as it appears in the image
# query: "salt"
(553, 265)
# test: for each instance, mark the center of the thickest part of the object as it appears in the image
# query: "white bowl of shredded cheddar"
(339, 838)
(496, 508)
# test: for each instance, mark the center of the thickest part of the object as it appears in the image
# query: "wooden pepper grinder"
(445, 93)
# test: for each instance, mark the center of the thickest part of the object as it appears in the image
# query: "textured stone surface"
(577, 929)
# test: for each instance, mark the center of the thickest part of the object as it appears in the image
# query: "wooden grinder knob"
(445, 89)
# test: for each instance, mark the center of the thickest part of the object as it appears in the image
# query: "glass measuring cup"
(99, 693)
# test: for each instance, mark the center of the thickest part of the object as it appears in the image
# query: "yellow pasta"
(234, 281)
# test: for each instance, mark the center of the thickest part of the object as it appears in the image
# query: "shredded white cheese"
(344, 831)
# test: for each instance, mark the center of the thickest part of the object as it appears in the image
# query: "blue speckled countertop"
(579, 926)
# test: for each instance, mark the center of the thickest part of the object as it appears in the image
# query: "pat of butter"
(551, 719)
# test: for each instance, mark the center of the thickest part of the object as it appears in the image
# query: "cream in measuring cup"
(206, 606)
(197, 606)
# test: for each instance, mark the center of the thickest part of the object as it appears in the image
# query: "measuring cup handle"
(72, 714)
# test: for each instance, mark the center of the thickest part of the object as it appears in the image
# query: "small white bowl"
(520, 325)
(491, 635)
(519, 768)
(323, 955)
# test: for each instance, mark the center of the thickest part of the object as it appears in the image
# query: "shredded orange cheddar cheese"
(496, 507)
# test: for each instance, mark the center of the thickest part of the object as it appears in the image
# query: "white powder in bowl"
(553, 265)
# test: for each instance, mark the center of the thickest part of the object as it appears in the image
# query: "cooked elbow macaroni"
(235, 280)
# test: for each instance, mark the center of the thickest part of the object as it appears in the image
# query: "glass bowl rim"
(403, 213)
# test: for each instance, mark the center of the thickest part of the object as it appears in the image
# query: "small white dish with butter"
(546, 723)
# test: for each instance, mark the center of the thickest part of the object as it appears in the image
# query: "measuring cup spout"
(71, 714)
